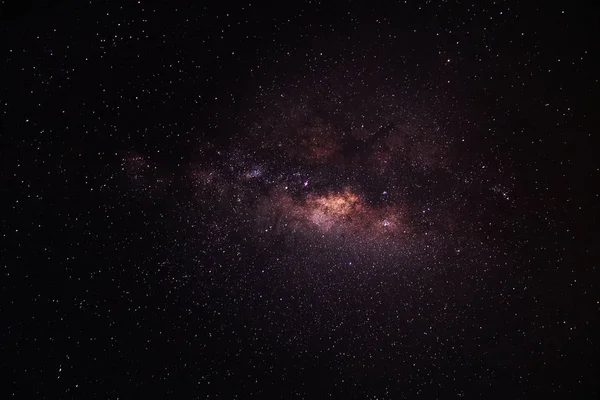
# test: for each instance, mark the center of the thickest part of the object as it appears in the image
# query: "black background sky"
(304, 200)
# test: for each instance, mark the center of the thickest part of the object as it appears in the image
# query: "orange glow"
(336, 205)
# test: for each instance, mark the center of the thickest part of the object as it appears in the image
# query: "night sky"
(300, 201)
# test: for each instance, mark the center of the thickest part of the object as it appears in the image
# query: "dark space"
(370, 200)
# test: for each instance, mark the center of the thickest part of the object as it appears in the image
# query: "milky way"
(335, 179)
(299, 200)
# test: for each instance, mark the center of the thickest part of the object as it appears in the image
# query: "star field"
(305, 200)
